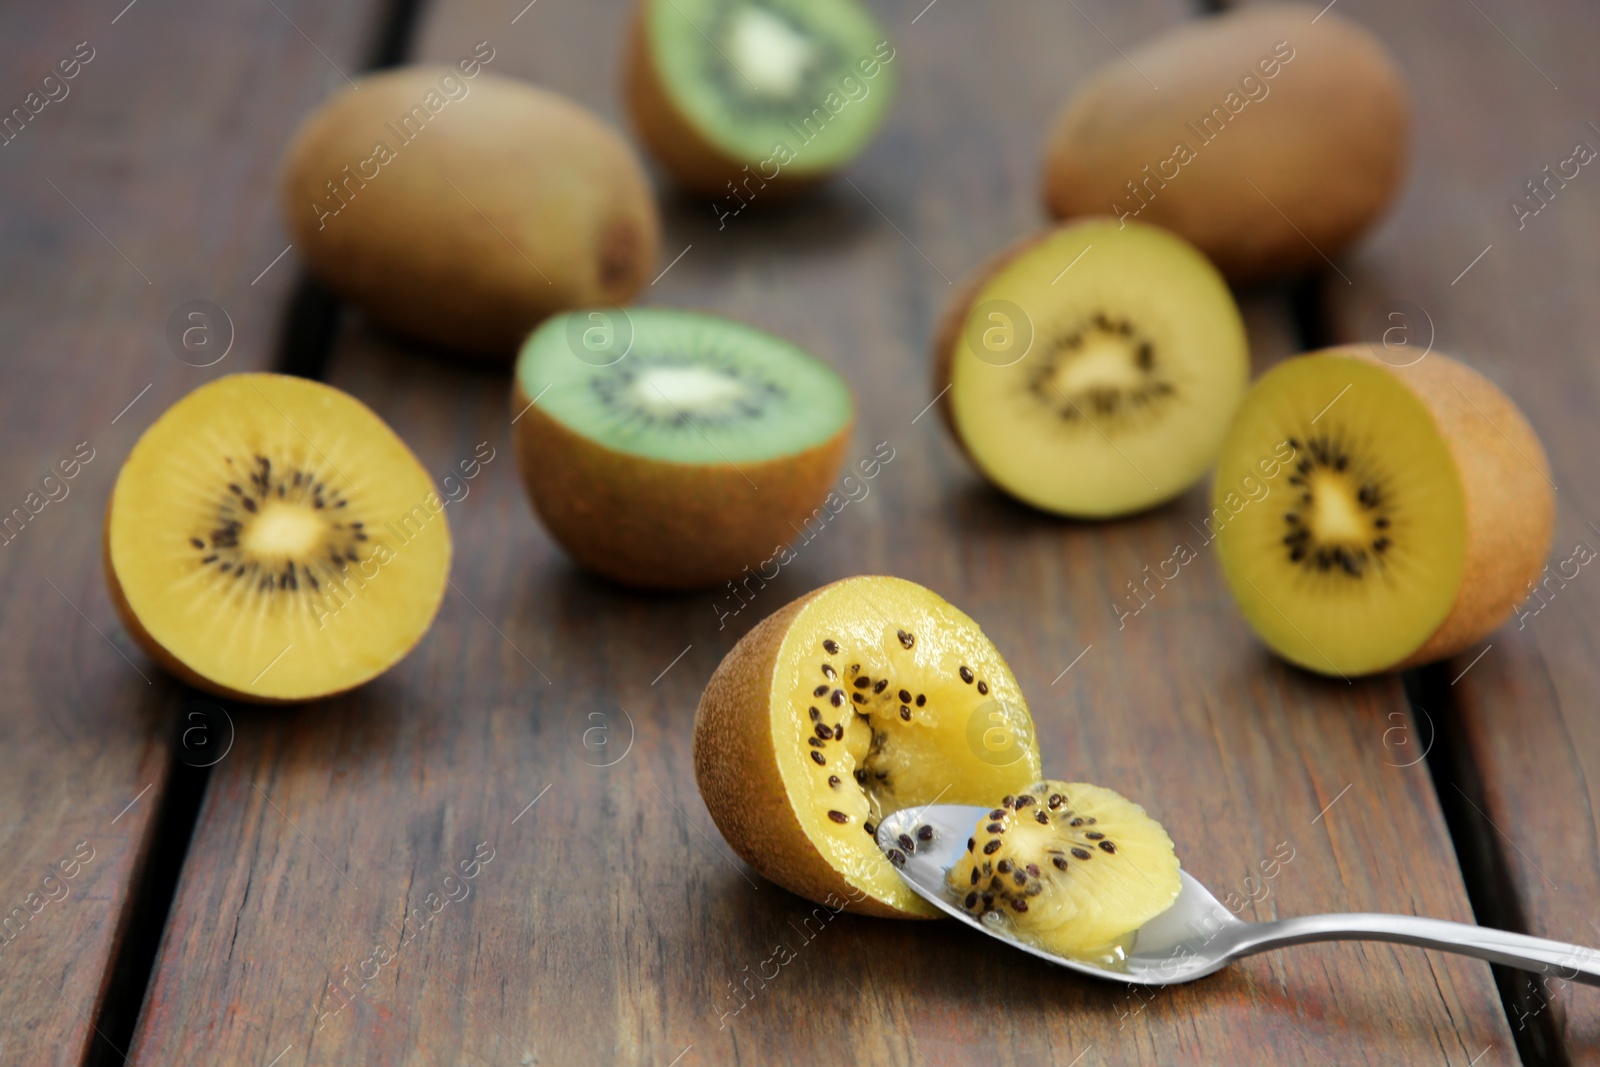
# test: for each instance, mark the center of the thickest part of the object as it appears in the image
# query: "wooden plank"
(1506, 92)
(125, 194)
(611, 925)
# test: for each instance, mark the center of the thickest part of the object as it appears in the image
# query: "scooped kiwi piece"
(1070, 867)
(1093, 370)
(1398, 513)
(270, 539)
(1278, 136)
(754, 98)
(460, 210)
(673, 449)
(865, 697)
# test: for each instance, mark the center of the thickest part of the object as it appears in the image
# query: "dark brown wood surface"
(610, 925)
(145, 182)
(1526, 315)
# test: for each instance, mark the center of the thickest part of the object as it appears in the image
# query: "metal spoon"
(1197, 935)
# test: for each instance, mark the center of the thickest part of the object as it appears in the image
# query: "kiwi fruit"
(1070, 867)
(672, 449)
(1373, 517)
(462, 210)
(865, 697)
(1278, 136)
(270, 539)
(1092, 370)
(756, 98)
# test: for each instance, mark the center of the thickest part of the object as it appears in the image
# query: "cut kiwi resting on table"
(672, 449)
(745, 99)
(270, 539)
(1373, 517)
(1071, 868)
(865, 697)
(1093, 371)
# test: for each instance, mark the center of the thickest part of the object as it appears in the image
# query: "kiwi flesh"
(1071, 867)
(672, 449)
(756, 98)
(865, 697)
(270, 539)
(1093, 370)
(1400, 512)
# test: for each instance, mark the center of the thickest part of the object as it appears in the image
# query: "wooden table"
(213, 906)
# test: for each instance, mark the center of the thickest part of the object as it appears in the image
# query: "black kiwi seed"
(820, 691)
(838, 697)
(831, 647)
(838, 816)
(1021, 878)
(907, 639)
(906, 842)
(921, 699)
(819, 759)
(983, 687)
(1007, 801)
(858, 698)
(1042, 817)
(816, 716)
(1081, 853)
(1019, 904)
(971, 843)
(1023, 801)
(972, 898)
(862, 682)
(995, 828)
(828, 671)
(1004, 866)
(861, 775)
(966, 674)
(905, 696)
(833, 780)
(1060, 863)
(824, 732)
(870, 828)
(1076, 822)
(882, 684)
(905, 713)
(998, 813)
(988, 900)
(897, 857)
(924, 833)
(1107, 846)
(991, 848)
(1095, 835)
(974, 877)
(813, 742)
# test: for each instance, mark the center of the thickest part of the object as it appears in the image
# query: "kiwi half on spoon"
(1093, 371)
(270, 539)
(1408, 512)
(756, 97)
(672, 449)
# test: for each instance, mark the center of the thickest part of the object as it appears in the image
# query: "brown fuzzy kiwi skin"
(660, 525)
(736, 768)
(1505, 479)
(1327, 145)
(513, 203)
(694, 162)
(156, 651)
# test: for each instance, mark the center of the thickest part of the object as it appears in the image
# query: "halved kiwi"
(271, 539)
(1372, 517)
(865, 697)
(1071, 867)
(1093, 370)
(736, 96)
(672, 449)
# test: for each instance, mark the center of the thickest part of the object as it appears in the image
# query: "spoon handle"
(1566, 961)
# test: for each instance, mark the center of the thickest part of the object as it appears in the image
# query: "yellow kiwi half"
(1371, 516)
(865, 697)
(270, 539)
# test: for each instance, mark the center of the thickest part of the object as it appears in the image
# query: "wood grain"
(611, 926)
(125, 195)
(1524, 315)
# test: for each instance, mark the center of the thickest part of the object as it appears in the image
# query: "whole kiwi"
(461, 210)
(1275, 139)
